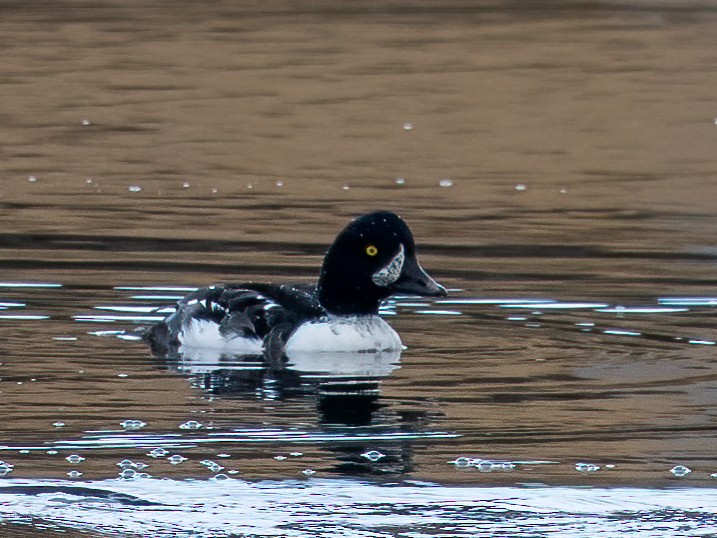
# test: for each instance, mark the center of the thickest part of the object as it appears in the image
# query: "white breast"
(345, 334)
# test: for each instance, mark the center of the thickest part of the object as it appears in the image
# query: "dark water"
(556, 164)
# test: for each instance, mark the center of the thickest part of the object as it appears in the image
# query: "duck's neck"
(342, 298)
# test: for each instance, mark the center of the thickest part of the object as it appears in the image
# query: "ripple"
(88, 318)
(557, 306)
(183, 289)
(130, 309)
(440, 312)
(702, 342)
(642, 310)
(688, 301)
(153, 507)
(29, 285)
(21, 317)
(499, 301)
(158, 442)
(621, 332)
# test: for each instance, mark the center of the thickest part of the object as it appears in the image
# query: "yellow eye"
(371, 250)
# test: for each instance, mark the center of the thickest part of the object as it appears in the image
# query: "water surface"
(556, 165)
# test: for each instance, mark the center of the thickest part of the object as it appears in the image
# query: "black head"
(371, 259)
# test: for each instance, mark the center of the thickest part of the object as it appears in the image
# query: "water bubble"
(215, 190)
(6, 468)
(133, 424)
(224, 455)
(185, 185)
(74, 458)
(212, 466)
(345, 187)
(86, 122)
(157, 452)
(408, 126)
(308, 472)
(586, 467)
(51, 452)
(279, 183)
(74, 474)
(520, 187)
(280, 458)
(58, 424)
(24, 451)
(128, 474)
(135, 188)
(400, 181)
(680, 470)
(220, 477)
(296, 454)
(233, 471)
(373, 455)
(32, 179)
(713, 475)
(176, 459)
(445, 182)
(484, 466)
(126, 464)
(190, 425)
(563, 190)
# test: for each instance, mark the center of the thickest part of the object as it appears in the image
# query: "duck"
(371, 259)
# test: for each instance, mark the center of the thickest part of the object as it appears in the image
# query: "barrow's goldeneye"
(373, 258)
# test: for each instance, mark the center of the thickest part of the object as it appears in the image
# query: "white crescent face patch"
(389, 274)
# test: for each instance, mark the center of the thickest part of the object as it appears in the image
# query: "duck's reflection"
(327, 366)
(346, 385)
(367, 433)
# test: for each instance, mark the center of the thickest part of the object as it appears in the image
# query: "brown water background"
(181, 143)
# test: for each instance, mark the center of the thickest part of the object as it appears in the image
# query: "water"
(338, 507)
(556, 165)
